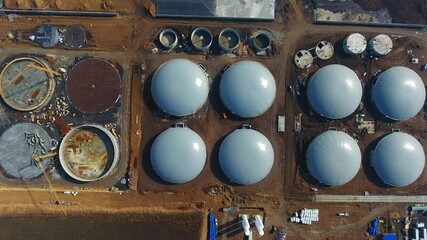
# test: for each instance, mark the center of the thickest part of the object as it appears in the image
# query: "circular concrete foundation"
(89, 153)
(20, 146)
(26, 84)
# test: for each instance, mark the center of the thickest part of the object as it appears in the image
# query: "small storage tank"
(354, 44)
(89, 153)
(201, 38)
(229, 39)
(261, 41)
(303, 59)
(168, 39)
(380, 45)
(324, 50)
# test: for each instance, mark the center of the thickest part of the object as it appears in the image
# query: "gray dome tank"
(179, 87)
(246, 156)
(178, 155)
(334, 91)
(398, 93)
(333, 158)
(247, 89)
(398, 159)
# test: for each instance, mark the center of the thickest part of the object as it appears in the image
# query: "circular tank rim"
(98, 59)
(235, 32)
(206, 31)
(115, 148)
(172, 45)
(265, 35)
(51, 89)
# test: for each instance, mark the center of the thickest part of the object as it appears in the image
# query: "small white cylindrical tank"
(245, 225)
(354, 44)
(259, 225)
(380, 45)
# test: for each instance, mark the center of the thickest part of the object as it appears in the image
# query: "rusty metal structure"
(93, 85)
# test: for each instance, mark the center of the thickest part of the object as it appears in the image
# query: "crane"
(38, 159)
(31, 65)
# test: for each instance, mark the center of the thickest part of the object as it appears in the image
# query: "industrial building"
(333, 158)
(180, 87)
(247, 89)
(178, 155)
(249, 9)
(246, 156)
(334, 91)
(398, 93)
(398, 159)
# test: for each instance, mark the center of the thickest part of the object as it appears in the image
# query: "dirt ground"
(93, 5)
(410, 11)
(128, 40)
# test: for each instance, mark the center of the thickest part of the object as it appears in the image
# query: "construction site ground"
(128, 40)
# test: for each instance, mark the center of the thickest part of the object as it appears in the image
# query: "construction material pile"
(305, 216)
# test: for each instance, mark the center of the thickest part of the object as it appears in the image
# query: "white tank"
(354, 44)
(380, 45)
(245, 225)
(303, 59)
(259, 225)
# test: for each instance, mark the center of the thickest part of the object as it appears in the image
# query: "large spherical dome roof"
(179, 87)
(334, 91)
(246, 156)
(333, 158)
(398, 159)
(399, 93)
(178, 155)
(247, 89)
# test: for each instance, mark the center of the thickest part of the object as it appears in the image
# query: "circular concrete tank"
(303, 59)
(89, 153)
(261, 41)
(354, 44)
(201, 38)
(20, 145)
(324, 50)
(26, 84)
(380, 45)
(229, 39)
(93, 85)
(168, 39)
